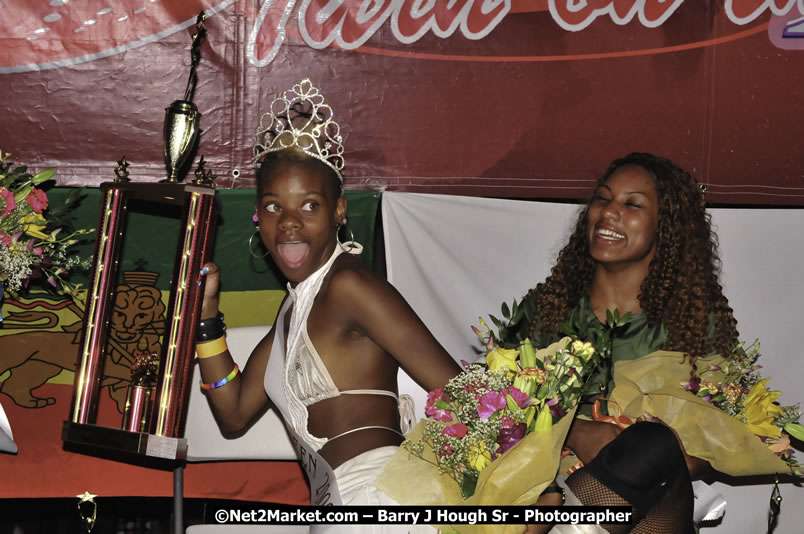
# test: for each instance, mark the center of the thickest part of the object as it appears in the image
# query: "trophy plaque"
(159, 392)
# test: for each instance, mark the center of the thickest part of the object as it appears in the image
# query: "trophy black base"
(115, 440)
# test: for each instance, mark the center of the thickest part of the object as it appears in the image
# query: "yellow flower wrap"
(516, 478)
(651, 384)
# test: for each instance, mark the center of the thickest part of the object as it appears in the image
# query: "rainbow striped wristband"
(223, 381)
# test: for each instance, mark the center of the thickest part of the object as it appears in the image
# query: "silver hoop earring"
(251, 246)
(351, 246)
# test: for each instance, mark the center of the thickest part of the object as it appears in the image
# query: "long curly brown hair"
(682, 287)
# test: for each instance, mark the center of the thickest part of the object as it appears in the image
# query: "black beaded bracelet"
(212, 328)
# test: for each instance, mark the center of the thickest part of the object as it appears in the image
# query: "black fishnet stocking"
(643, 468)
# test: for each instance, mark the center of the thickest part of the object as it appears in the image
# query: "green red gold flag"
(39, 349)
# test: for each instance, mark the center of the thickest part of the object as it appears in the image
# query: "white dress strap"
(407, 409)
(369, 392)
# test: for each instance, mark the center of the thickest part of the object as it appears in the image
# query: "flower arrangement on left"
(35, 238)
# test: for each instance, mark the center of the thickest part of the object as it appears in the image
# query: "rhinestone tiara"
(300, 119)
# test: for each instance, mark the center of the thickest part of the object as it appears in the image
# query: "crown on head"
(300, 119)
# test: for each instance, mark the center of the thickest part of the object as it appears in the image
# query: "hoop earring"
(251, 246)
(351, 246)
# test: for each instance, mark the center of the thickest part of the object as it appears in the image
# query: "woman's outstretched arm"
(243, 397)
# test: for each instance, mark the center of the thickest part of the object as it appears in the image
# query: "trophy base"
(115, 440)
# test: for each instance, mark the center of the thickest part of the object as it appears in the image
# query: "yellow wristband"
(211, 348)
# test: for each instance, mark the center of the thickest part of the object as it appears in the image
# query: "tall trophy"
(152, 424)
(181, 118)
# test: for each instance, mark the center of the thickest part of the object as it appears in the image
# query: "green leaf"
(469, 483)
(506, 311)
(43, 176)
(442, 404)
(517, 315)
(609, 318)
(496, 321)
(22, 194)
(795, 430)
(511, 404)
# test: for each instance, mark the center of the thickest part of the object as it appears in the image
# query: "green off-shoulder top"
(631, 341)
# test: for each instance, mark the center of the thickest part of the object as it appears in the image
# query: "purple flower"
(555, 408)
(511, 436)
(490, 403)
(693, 385)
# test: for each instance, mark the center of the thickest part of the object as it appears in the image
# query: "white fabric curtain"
(458, 258)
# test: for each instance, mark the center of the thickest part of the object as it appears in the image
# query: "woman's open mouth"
(293, 253)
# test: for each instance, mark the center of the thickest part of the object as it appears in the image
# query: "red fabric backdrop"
(515, 98)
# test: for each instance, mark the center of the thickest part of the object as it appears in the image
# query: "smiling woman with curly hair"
(642, 245)
(681, 289)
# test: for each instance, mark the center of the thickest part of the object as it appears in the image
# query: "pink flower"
(446, 450)
(6, 239)
(490, 403)
(439, 414)
(8, 200)
(507, 421)
(37, 199)
(522, 400)
(458, 430)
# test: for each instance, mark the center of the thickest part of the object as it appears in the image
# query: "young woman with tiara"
(643, 244)
(329, 364)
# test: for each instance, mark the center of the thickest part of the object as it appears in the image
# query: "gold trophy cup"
(181, 132)
(181, 118)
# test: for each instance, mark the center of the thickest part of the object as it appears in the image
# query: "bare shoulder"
(350, 277)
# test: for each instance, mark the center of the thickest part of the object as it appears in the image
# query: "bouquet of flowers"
(724, 414)
(736, 388)
(33, 240)
(489, 409)
(494, 433)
